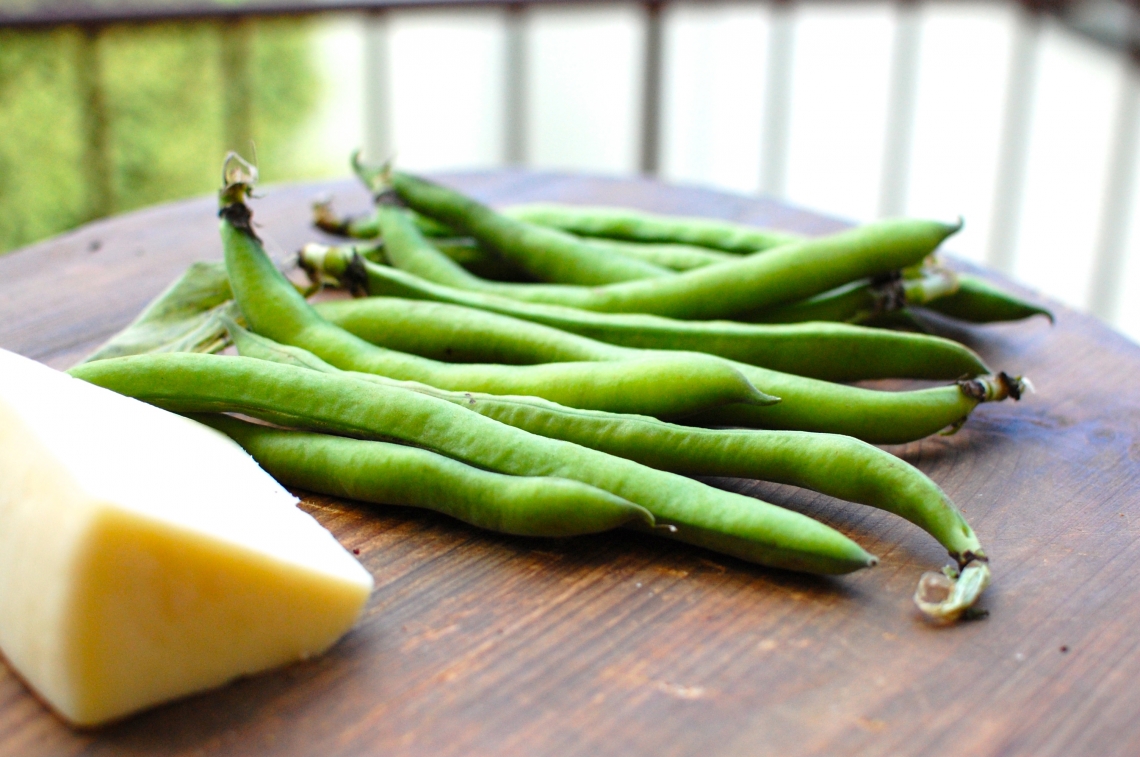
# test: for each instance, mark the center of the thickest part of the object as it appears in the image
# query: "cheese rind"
(144, 556)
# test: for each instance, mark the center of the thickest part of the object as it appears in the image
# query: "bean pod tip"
(996, 388)
(947, 596)
(378, 179)
(325, 219)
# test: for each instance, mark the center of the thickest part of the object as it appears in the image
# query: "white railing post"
(1013, 157)
(651, 91)
(777, 99)
(1112, 238)
(377, 87)
(97, 163)
(236, 48)
(899, 135)
(514, 86)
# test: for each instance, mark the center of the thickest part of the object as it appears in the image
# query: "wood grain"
(622, 644)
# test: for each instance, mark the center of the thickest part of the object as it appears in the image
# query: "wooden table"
(622, 644)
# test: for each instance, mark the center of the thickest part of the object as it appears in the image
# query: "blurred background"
(1022, 118)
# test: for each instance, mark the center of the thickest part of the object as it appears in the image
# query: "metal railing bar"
(236, 66)
(144, 12)
(514, 87)
(96, 127)
(901, 109)
(376, 81)
(1111, 24)
(1112, 238)
(777, 98)
(1013, 155)
(651, 91)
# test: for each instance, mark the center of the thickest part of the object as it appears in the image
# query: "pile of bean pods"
(553, 371)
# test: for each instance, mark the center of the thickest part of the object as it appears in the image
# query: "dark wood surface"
(622, 644)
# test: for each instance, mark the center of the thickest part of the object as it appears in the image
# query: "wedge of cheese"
(144, 556)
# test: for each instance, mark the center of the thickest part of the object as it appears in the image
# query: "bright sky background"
(583, 81)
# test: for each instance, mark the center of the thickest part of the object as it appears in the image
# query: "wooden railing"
(1110, 22)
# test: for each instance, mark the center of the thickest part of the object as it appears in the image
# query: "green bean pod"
(835, 465)
(828, 351)
(184, 317)
(877, 417)
(299, 397)
(660, 385)
(458, 334)
(409, 250)
(394, 474)
(780, 275)
(675, 257)
(546, 254)
(977, 301)
(639, 226)
(478, 260)
(806, 404)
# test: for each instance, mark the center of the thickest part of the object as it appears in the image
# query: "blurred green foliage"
(162, 85)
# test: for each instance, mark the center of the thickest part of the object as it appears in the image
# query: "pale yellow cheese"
(144, 556)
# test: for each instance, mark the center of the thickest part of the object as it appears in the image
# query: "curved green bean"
(489, 264)
(828, 351)
(299, 397)
(661, 385)
(877, 417)
(547, 254)
(640, 226)
(394, 474)
(806, 404)
(781, 275)
(835, 465)
(458, 334)
(409, 250)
